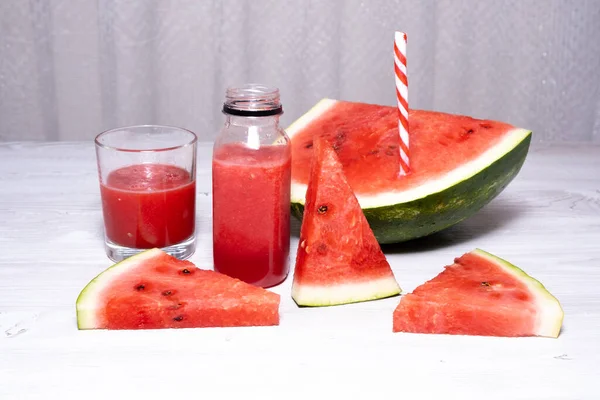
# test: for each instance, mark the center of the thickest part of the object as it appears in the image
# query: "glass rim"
(193, 141)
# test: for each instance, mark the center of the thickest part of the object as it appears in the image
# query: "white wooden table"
(547, 222)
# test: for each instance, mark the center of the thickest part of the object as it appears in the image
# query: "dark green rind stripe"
(422, 217)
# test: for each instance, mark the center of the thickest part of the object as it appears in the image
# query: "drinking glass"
(147, 177)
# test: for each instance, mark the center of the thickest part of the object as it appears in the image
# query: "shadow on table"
(492, 217)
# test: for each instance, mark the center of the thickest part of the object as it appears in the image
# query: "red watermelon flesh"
(480, 294)
(338, 260)
(366, 139)
(154, 290)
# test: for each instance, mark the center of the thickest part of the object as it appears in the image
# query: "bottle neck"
(252, 115)
(235, 120)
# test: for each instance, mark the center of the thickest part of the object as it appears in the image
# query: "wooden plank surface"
(547, 222)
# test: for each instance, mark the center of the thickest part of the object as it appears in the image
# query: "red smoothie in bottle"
(148, 205)
(251, 212)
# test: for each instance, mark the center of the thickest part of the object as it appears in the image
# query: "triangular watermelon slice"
(480, 294)
(154, 290)
(339, 260)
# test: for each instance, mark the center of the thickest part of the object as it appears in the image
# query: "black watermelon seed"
(322, 209)
(308, 145)
(470, 131)
(186, 271)
(485, 284)
(322, 248)
(178, 318)
(167, 293)
(140, 287)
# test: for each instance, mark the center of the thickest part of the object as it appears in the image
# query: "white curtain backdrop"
(72, 68)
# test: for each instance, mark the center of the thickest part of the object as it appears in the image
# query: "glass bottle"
(251, 178)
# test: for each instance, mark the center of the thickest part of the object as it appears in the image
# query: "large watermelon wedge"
(458, 164)
(480, 294)
(154, 290)
(339, 260)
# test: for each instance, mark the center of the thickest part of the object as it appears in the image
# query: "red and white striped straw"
(402, 98)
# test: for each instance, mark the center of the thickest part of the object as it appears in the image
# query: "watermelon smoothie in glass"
(147, 177)
(251, 178)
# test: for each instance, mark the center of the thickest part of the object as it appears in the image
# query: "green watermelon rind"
(398, 217)
(87, 301)
(438, 211)
(550, 314)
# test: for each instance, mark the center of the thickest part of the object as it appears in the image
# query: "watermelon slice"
(458, 164)
(154, 290)
(339, 260)
(480, 294)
